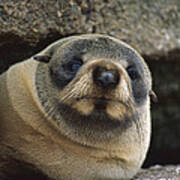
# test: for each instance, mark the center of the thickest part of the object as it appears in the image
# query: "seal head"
(93, 88)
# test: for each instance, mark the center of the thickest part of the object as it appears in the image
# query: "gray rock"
(159, 173)
(152, 27)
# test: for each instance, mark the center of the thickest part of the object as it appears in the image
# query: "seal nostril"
(106, 78)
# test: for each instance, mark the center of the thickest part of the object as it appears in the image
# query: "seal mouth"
(102, 101)
(102, 105)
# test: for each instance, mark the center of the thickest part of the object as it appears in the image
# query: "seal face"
(93, 89)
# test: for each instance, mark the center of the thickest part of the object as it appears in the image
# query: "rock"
(158, 172)
(151, 27)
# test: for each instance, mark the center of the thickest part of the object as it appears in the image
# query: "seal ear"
(153, 96)
(49, 51)
(46, 56)
(42, 58)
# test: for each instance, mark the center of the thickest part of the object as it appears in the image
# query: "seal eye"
(66, 72)
(70, 68)
(132, 72)
(73, 67)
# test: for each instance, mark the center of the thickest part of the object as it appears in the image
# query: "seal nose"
(106, 78)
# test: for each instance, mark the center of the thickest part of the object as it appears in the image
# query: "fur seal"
(80, 109)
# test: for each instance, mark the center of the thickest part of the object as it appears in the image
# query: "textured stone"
(159, 173)
(152, 27)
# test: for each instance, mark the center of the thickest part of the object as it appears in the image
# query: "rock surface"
(159, 173)
(151, 27)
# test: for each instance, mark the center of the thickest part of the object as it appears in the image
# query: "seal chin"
(96, 127)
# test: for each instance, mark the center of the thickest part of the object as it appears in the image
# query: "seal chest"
(92, 94)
